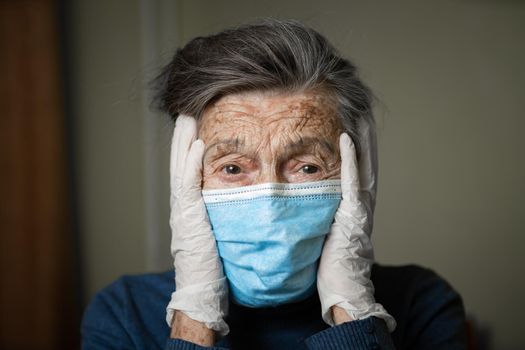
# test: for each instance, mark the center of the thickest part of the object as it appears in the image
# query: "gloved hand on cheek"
(201, 288)
(343, 278)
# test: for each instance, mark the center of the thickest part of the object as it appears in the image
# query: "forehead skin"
(268, 123)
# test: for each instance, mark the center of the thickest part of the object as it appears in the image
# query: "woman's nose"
(269, 173)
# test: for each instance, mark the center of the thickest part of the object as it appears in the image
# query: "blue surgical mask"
(270, 237)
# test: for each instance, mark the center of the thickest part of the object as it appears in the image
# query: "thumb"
(192, 178)
(349, 170)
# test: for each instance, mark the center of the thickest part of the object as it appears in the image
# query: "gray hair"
(279, 55)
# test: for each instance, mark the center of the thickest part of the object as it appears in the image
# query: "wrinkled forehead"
(257, 115)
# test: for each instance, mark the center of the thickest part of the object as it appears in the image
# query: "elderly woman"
(273, 183)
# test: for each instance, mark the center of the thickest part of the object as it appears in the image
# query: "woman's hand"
(201, 291)
(343, 278)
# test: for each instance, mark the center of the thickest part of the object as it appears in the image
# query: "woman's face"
(255, 137)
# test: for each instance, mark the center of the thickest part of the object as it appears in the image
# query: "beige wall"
(450, 78)
(121, 147)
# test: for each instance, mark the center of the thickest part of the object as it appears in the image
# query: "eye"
(231, 169)
(309, 169)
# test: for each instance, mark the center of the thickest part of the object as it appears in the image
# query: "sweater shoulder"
(129, 310)
(403, 287)
(130, 289)
(428, 310)
(406, 273)
(408, 282)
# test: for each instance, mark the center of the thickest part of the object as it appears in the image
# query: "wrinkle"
(268, 130)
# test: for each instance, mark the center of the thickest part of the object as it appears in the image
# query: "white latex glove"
(201, 287)
(343, 278)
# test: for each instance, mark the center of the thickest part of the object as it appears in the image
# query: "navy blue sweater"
(130, 314)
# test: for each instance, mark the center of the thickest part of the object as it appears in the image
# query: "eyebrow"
(305, 144)
(302, 145)
(234, 146)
